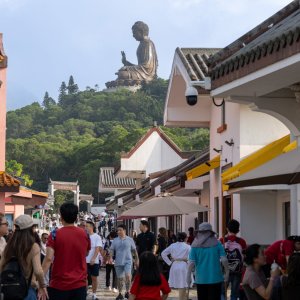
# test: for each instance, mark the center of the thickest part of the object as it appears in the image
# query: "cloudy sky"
(47, 41)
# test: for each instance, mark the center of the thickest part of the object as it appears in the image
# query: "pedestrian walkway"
(110, 295)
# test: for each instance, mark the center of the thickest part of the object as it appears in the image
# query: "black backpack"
(13, 283)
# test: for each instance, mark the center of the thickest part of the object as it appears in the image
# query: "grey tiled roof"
(195, 61)
(108, 180)
(277, 32)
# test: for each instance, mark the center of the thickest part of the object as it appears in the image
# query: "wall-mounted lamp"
(218, 150)
(229, 143)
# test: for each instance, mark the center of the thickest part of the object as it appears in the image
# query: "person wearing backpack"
(234, 247)
(20, 264)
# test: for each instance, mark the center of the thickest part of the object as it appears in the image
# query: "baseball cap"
(24, 222)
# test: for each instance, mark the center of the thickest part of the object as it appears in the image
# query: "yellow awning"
(203, 168)
(292, 146)
(258, 158)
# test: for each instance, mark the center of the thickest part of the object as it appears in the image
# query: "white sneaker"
(115, 291)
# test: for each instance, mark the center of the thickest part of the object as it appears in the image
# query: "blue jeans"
(234, 281)
(31, 294)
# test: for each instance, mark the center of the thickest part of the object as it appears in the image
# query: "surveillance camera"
(191, 95)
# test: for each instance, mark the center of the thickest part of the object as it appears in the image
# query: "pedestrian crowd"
(65, 264)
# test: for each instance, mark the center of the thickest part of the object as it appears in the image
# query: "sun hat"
(24, 222)
(205, 226)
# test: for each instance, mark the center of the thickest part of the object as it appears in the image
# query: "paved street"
(109, 295)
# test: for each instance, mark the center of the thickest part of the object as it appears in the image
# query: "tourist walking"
(255, 284)
(280, 251)
(3, 232)
(44, 240)
(205, 255)
(67, 248)
(92, 259)
(110, 263)
(162, 240)
(145, 240)
(122, 249)
(179, 253)
(235, 248)
(191, 236)
(287, 287)
(22, 251)
(162, 243)
(149, 283)
(171, 237)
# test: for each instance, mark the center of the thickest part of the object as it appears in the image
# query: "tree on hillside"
(88, 130)
(15, 169)
(48, 101)
(72, 86)
(62, 91)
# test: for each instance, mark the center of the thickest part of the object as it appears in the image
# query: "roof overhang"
(136, 174)
(269, 79)
(258, 189)
(177, 112)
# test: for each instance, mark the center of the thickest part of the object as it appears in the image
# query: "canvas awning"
(163, 205)
(203, 168)
(285, 169)
(258, 158)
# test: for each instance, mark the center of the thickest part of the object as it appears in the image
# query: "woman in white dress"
(179, 253)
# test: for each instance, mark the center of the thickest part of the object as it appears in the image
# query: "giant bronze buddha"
(131, 74)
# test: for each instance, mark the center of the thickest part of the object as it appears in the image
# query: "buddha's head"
(140, 30)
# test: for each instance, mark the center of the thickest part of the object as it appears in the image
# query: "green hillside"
(73, 137)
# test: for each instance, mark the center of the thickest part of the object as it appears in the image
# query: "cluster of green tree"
(84, 130)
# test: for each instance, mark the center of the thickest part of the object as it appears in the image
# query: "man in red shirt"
(234, 248)
(66, 250)
(280, 251)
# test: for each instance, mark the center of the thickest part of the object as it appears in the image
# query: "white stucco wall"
(229, 154)
(259, 217)
(152, 156)
(249, 131)
(257, 130)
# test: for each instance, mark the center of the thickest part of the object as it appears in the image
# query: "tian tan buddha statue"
(145, 70)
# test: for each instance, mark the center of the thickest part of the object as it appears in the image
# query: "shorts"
(93, 270)
(77, 294)
(123, 270)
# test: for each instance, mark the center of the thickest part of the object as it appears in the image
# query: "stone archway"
(83, 206)
(64, 186)
(85, 201)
